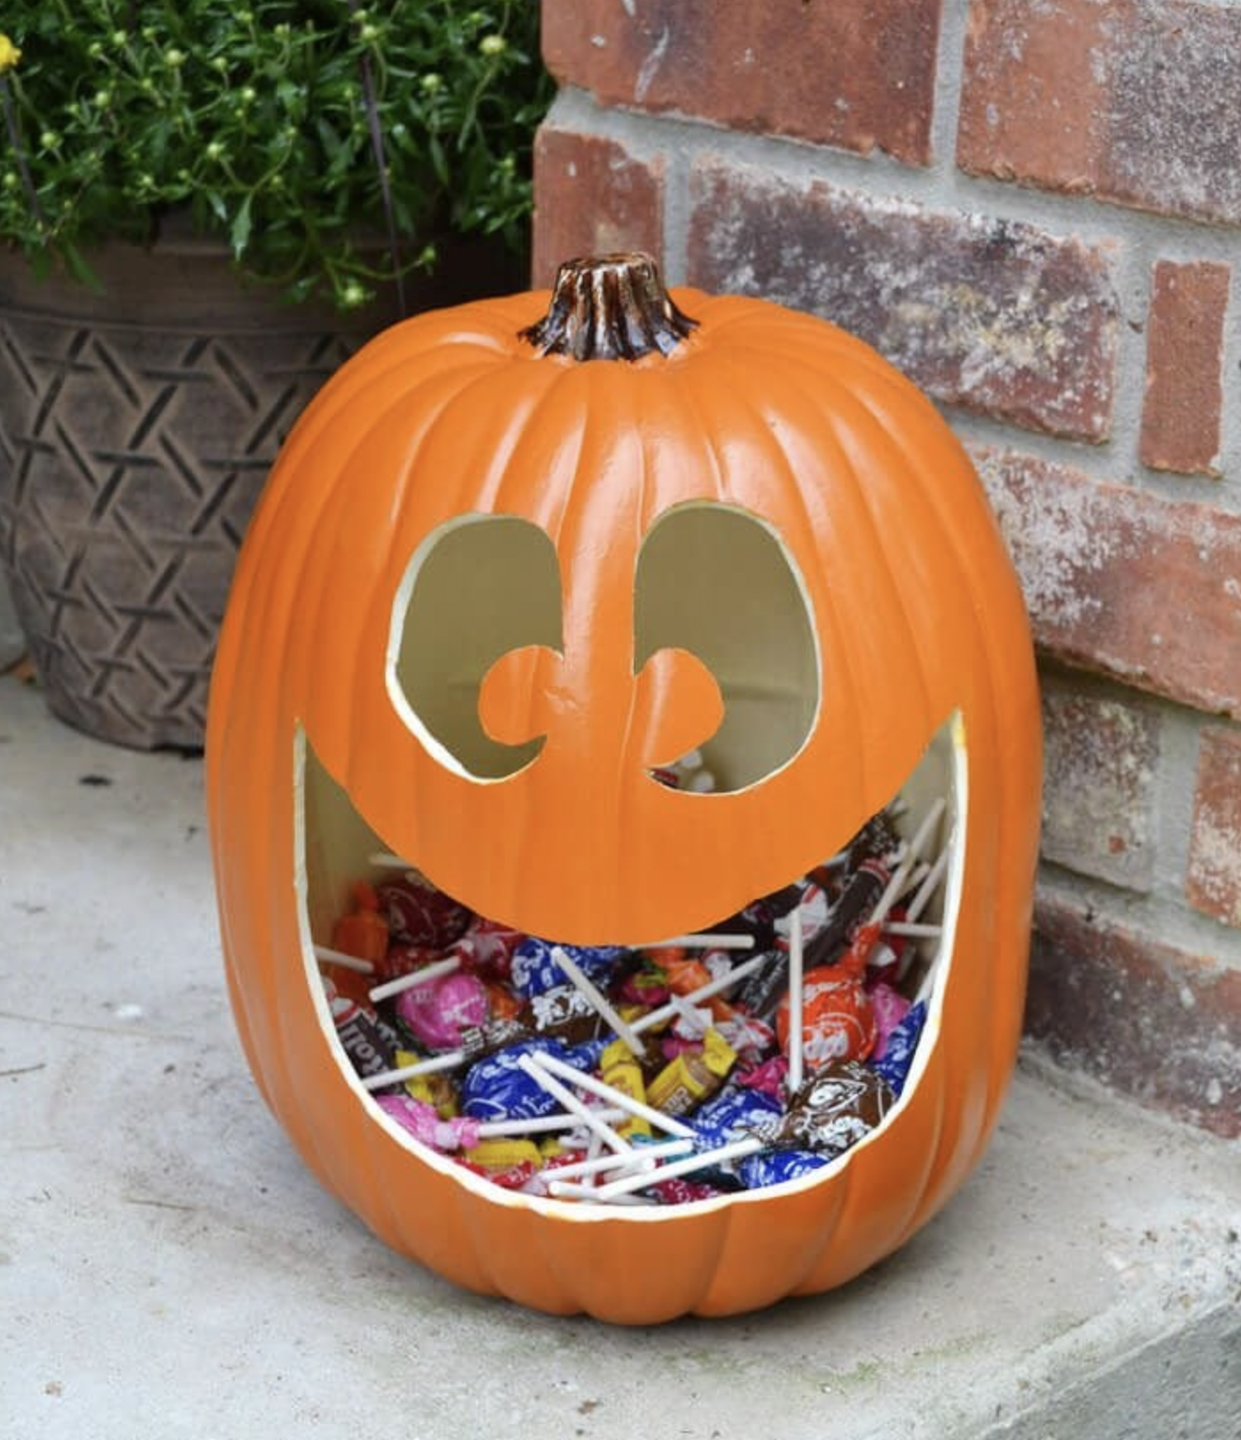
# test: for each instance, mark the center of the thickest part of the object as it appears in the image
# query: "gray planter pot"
(136, 429)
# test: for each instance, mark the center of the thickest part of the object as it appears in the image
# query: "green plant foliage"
(253, 117)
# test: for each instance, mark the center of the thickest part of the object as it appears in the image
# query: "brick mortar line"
(676, 217)
(1230, 414)
(949, 82)
(1136, 239)
(941, 185)
(1180, 929)
(1133, 288)
(1172, 806)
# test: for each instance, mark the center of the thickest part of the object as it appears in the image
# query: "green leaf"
(239, 236)
(79, 269)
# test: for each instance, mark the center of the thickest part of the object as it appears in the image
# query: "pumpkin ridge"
(556, 400)
(709, 442)
(832, 400)
(391, 531)
(930, 1196)
(287, 518)
(825, 611)
(626, 440)
(382, 361)
(496, 391)
(328, 553)
(560, 398)
(999, 660)
(1002, 945)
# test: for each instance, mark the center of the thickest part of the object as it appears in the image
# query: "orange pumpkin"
(504, 569)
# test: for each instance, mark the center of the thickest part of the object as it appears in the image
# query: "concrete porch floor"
(168, 1268)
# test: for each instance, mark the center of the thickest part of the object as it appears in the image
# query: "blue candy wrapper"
(497, 1088)
(535, 969)
(733, 1115)
(770, 1167)
(902, 1046)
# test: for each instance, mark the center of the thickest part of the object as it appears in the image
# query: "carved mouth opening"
(336, 848)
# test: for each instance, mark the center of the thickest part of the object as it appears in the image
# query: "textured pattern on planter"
(133, 463)
(136, 430)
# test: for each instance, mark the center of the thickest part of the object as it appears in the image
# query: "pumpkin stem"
(609, 307)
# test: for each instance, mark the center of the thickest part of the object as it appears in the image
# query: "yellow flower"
(9, 55)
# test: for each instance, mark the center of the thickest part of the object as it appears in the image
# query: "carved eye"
(716, 581)
(478, 587)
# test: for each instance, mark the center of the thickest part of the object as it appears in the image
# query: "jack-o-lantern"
(505, 569)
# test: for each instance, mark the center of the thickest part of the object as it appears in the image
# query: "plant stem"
(381, 164)
(15, 139)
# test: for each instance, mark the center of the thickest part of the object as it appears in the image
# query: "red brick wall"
(1035, 211)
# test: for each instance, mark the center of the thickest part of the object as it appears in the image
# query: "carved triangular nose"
(677, 706)
(517, 700)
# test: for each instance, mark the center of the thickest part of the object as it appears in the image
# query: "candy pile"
(706, 1064)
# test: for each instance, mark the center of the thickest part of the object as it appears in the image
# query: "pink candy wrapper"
(440, 1010)
(890, 1008)
(423, 1123)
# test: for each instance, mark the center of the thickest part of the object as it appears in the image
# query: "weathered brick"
(1118, 580)
(1135, 101)
(1184, 362)
(999, 317)
(1101, 756)
(1213, 878)
(591, 197)
(1153, 1021)
(857, 74)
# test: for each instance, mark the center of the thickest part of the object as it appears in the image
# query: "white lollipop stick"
(600, 1003)
(737, 1150)
(415, 977)
(384, 860)
(796, 998)
(542, 1124)
(920, 872)
(704, 992)
(929, 886)
(450, 1060)
(706, 940)
(913, 853)
(594, 1147)
(584, 1190)
(913, 932)
(643, 1156)
(609, 1092)
(693, 1022)
(570, 1101)
(346, 962)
